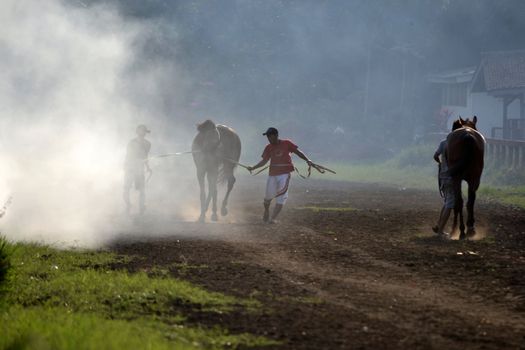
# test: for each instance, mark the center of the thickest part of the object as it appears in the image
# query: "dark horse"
(216, 151)
(465, 151)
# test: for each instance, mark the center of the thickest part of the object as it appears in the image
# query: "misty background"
(346, 80)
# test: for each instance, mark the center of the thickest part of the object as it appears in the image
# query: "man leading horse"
(281, 166)
(464, 154)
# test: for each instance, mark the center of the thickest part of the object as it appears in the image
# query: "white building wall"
(488, 109)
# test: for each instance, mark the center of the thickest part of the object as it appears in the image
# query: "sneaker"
(435, 229)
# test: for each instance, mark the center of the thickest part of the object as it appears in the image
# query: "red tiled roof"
(501, 70)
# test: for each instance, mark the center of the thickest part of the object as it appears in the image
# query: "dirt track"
(371, 275)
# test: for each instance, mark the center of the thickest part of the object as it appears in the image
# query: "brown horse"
(465, 151)
(216, 150)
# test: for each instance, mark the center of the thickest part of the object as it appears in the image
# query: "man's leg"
(448, 205)
(282, 195)
(271, 191)
(142, 200)
(443, 220)
(436, 228)
(276, 210)
(140, 181)
(266, 215)
(127, 188)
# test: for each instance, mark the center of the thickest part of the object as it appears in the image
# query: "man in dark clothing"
(134, 167)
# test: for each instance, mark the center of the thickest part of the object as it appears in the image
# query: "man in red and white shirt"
(281, 166)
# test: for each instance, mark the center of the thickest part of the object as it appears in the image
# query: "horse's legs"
(458, 205)
(455, 221)
(224, 208)
(212, 194)
(200, 177)
(461, 223)
(470, 209)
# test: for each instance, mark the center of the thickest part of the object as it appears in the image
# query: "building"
(494, 91)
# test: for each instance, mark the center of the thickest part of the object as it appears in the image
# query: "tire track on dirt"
(419, 293)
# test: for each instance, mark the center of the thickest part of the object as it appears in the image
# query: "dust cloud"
(65, 118)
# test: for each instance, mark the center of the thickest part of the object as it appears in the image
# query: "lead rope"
(321, 169)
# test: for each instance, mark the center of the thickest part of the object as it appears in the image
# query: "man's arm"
(439, 151)
(436, 157)
(258, 165)
(301, 155)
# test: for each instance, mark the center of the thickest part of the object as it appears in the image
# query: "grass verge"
(60, 299)
(414, 168)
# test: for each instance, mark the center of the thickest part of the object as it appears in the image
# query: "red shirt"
(279, 155)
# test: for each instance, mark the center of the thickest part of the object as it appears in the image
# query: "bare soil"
(370, 275)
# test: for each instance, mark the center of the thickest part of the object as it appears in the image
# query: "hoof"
(214, 217)
(444, 236)
(471, 232)
(201, 219)
(462, 236)
(224, 211)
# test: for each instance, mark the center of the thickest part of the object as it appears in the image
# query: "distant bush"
(419, 155)
(5, 260)
(503, 177)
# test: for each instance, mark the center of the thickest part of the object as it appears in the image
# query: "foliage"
(5, 260)
(415, 156)
(413, 167)
(67, 299)
(56, 328)
(513, 195)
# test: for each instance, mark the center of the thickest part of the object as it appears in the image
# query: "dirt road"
(353, 266)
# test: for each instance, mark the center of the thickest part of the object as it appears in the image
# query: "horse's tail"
(466, 157)
(230, 151)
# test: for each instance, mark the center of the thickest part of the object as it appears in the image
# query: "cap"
(143, 127)
(271, 131)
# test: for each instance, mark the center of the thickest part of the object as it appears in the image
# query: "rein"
(321, 169)
(165, 155)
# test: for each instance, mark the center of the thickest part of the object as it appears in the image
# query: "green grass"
(56, 328)
(5, 260)
(514, 195)
(63, 299)
(415, 168)
(412, 167)
(410, 176)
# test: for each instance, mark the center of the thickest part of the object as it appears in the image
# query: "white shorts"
(277, 187)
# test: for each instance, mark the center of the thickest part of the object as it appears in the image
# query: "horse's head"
(465, 123)
(209, 137)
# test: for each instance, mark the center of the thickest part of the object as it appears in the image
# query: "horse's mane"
(206, 125)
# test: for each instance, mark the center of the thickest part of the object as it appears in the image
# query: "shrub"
(420, 156)
(5, 259)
